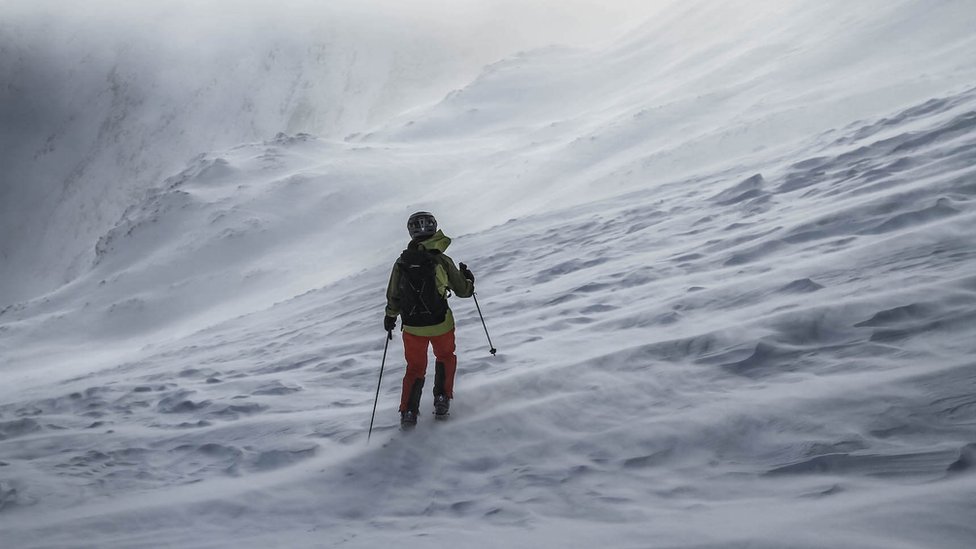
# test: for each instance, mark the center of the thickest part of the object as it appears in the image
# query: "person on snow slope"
(418, 290)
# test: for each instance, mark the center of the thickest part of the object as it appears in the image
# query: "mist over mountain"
(724, 249)
(104, 100)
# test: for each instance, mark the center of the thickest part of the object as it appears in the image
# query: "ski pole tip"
(493, 351)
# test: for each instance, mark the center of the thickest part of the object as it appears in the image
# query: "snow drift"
(727, 261)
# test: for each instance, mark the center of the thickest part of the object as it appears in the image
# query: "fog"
(102, 100)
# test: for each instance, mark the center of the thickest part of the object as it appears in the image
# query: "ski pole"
(389, 336)
(493, 350)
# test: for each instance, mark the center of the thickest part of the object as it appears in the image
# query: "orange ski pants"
(415, 351)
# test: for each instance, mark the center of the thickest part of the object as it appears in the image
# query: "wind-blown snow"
(727, 260)
(102, 100)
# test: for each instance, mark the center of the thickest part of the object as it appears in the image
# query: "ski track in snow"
(773, 353)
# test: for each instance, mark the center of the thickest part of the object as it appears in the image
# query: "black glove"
(389, 322)
(466, 273)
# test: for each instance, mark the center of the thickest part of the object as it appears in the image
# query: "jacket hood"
(439, 242)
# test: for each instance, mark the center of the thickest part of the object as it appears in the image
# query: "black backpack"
(420, 303)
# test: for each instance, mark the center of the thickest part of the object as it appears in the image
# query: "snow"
(726, 258)
(104, 100)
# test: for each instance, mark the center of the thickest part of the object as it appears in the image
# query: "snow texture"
(727, 260)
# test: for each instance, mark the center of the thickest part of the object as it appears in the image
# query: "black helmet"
(421, 225)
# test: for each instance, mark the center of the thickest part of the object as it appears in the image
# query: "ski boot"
(442, 406)
(408, 420)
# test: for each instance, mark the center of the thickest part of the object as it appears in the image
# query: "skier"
(418, 292)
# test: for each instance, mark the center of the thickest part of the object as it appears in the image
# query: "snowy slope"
(141, 104)
(737, 318)
(101, 101)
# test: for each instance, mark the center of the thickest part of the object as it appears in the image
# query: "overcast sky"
(522, 23)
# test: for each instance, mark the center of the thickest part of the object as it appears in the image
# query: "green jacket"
(448, 278)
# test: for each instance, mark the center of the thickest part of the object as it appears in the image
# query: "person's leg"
(415, 352)
(446, 365)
